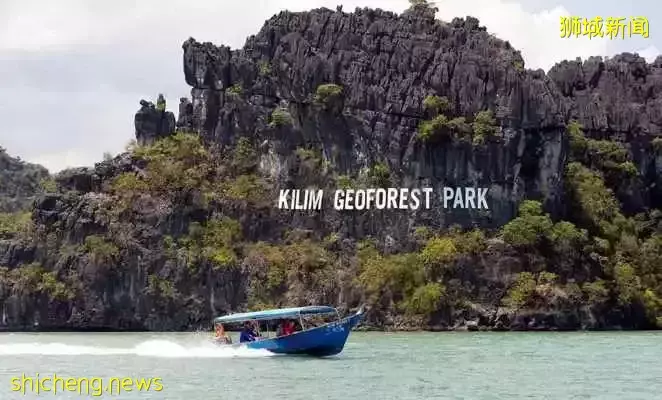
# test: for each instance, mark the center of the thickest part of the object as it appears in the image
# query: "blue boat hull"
(321, 341)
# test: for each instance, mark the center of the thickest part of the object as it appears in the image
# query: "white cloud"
(125, 49)
(67, 159)
(537, 35)
(650, 53)
(148, 23)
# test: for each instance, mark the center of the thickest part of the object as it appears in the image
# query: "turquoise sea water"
(402, 366)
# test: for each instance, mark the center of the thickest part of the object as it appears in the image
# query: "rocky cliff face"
(618, 99)
(19, 182)
(387, 65)
(326, 98)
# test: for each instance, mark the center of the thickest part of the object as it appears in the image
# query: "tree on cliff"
(161, 103)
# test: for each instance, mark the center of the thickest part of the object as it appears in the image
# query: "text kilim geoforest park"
(386, 198)
(610, 27)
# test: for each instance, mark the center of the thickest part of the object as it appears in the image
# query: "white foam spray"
(149, 348)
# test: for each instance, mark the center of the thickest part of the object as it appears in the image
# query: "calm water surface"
(472, 366)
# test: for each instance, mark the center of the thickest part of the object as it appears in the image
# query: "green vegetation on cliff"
(442, 124)
(599, 261)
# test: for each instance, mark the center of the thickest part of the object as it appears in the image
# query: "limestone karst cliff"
(184, 225)
(19, 182)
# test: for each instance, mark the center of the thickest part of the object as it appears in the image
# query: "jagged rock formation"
(123, 266)
(153, 123)
(387, 64)
(19, 182)
(619, 99)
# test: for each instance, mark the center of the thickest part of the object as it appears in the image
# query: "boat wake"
(149, 348)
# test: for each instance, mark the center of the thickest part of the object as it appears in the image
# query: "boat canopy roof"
(275, 314)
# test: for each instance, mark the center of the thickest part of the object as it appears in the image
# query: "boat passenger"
(221, 336)
(248, 334)
(288, 328)
(281, 328)
(296, 326)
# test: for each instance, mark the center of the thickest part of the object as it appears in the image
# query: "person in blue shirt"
(248, 334)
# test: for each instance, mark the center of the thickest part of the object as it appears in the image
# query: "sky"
(72, 72)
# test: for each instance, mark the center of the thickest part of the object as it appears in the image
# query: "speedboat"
(323, 340)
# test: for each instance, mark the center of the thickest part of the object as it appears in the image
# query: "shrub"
(628, 168)
(439, 250)
(100, 249)
(596, 202)
(345, 182)
(161, 287)
(627, 283)
(273, 264)
(248, 188)
(54, 288)
(128, 183)
(565, 234)
(244, 156)
(653, 306)
(34, 279)
(311, 160)
(430, 129)
(48, 185)
(436, 104)
(161, 103)
(578, 142)
(13, 224)
(213, 242)
(460, 127)
(530, 208)
(657, 143)
(426, 299)
(607, 151)
(236, 89)
(471, 242)
(327, 93)
(596, 292)
(484, 126)
(380, 174)
(522, 290)
(280, 117)
(422, 233)
(529, 227)
(264, 68)
(547, 278)
(277, 271)
(396, 276)
(176, 164)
